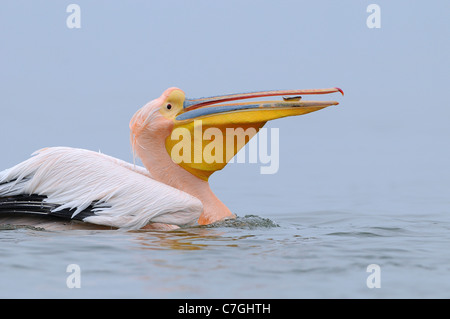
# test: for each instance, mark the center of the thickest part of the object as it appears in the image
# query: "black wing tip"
(35, 205)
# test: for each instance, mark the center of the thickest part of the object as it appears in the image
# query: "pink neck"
(158, 162)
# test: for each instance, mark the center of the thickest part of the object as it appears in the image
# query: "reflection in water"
(184, 239)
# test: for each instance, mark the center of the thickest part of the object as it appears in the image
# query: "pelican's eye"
(172, 104)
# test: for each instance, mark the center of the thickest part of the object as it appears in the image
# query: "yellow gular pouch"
(206, 144)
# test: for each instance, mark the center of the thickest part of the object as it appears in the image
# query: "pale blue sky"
(389, 137)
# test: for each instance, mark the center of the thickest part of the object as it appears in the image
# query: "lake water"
(308, 255)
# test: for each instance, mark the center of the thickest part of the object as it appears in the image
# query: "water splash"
(15, 227)
(246, 222)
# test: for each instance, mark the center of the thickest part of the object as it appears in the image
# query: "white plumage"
(123, 195)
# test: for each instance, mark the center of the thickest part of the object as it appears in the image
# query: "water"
(305, 255)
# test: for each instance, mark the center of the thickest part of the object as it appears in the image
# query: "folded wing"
(95, 188)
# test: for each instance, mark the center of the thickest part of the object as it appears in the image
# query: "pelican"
(61, 188)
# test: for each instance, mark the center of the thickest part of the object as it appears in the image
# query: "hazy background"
(385, 148)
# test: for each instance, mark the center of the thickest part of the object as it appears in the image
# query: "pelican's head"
(187, 126)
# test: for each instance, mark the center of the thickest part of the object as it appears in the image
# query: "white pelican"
(67, 188)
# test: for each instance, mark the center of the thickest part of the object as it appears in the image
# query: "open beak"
(230, 112)
(246, 112)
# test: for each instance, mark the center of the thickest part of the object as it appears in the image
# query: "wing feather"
(119, 194)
